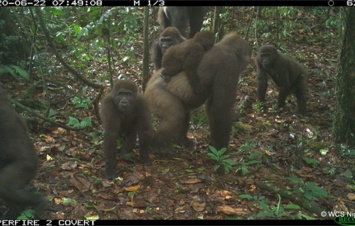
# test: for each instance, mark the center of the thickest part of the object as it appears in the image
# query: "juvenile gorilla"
(169, 37)
(218, 73)
(179, 16)
(287, 74)
(18, 162)
(186, 56)
(125, 113)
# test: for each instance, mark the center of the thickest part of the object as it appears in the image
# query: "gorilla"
(180, 16)
(171, 102)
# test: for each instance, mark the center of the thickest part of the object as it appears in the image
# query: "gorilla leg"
(162, 18)
(110, 154)
(183, 140)
(130, 143)
(178, 18)
(300, 93)
(220, 124)
(283, 93)
(196, 17)
(172, 116)
(13, 179)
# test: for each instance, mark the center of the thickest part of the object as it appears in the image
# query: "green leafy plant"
(199, 118)
(52, 114)
(26, 215)
(74, 122)
(312, 191)
(81, 102)
(221, 159)
(262, 201)
(272, 211)
(309, 190)
(250, 160)
(347, 151)
(14, 71)
(269, 211)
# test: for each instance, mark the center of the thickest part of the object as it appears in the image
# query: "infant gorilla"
(186, 56)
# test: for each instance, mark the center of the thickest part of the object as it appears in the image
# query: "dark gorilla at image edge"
(18, 162)
(218, 73)
(125, 113)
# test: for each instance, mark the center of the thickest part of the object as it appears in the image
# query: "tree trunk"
(344, 117)
(217, 26)
(146, 48)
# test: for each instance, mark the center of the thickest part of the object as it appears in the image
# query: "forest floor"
(285, 167)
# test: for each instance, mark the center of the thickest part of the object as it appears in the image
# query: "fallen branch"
(299, 200)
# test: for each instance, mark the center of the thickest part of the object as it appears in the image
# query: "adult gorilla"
(218, 73)
(181, 16)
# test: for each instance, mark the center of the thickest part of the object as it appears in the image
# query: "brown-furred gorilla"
(287, 74)
(18, 162)
(169, 37)
(218, 73)
(186, 56)
(125, 113)
(180, 16)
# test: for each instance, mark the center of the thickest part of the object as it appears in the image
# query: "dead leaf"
(57, 200)
(137, 204)
(228, 197)
(81, 182)
(198, 205)
(180, 209)
(252, 188)
(351, 196)
(225, 209)
(132, 188)
(48, 139)
(106, 183)
(70, 165)
(191, 181)
(229, 210)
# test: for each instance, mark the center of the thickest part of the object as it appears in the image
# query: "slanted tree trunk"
(344, 117)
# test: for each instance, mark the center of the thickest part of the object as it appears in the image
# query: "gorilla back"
(18, 161)
(218, 73)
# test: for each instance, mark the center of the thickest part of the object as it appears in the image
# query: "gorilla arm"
(262, 81)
